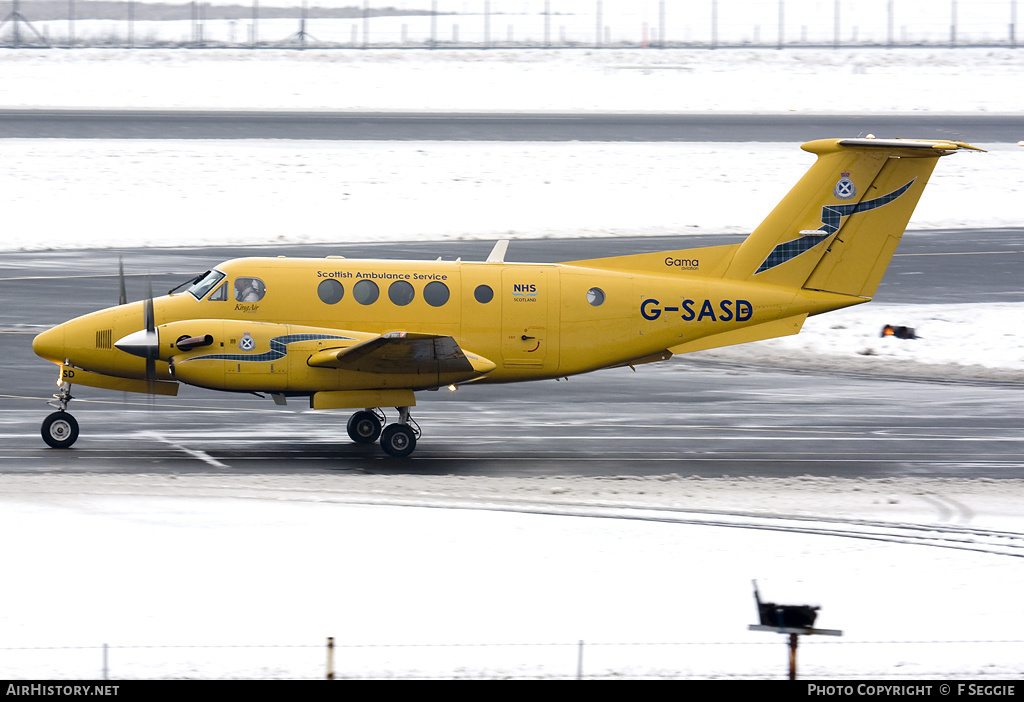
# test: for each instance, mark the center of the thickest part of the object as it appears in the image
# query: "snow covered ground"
(198, 565)
(227, 576)
(850, 81)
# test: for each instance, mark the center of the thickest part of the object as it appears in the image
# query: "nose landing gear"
(60, 429)
(397, 440)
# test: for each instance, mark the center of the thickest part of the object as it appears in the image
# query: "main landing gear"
(398, 440)
(60, 429)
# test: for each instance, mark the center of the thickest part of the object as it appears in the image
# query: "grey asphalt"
(683, 416)
(422, 126)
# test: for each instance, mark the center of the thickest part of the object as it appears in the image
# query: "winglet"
(497, 254)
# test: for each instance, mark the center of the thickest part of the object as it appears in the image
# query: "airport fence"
(761, 660)
(552, 24)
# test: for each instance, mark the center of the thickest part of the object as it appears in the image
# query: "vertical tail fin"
(838, 227)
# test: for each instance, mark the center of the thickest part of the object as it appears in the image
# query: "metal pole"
(433, 24)
(71, 23)
(366, 23)
(597, 31)
(579, 661)
(891, 22)
(1013, 24)
(661, 24)
(837, 30)
(792, 656)
(547, 24)
(952, 23)
(330, 658)
(714, 24)
(255, 22)
(106, 669)
(782, 22)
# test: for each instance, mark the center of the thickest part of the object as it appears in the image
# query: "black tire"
(398, 440)
(364, 427)
(60, 430)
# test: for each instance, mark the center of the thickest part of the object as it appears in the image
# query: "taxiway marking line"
(199, 455)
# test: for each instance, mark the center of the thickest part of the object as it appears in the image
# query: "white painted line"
(199, 455)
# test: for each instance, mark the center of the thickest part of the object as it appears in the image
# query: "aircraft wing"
(404, 353)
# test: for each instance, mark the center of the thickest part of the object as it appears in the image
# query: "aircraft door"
(530, 311)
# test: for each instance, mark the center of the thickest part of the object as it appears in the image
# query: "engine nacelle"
(240, 355)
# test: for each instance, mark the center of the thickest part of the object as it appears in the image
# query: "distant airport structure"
(554, 24)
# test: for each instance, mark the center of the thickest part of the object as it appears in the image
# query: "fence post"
(835, 19)
(952, 24)
(714, 24)
(105, 667)
(782, 22)
(330, 658)
(579, 661)
(1013, 24)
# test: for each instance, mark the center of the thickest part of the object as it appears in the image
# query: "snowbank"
(955, 342)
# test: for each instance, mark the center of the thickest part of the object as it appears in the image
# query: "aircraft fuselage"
(532, 321)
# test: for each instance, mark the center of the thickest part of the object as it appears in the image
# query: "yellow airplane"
(366, 334)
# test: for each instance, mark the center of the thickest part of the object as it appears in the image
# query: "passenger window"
(220, 294)
(483, 294)
(249, 289)
(401, 293)
(366, 292)
(330, 291)
(436, 293)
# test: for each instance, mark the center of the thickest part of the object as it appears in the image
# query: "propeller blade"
(145, 342)
(124, 296)
(154, 351)
(149, 316)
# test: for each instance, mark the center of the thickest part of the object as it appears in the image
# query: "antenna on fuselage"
(497, 254)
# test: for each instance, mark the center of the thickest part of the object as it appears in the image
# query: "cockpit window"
(205, 284)
(220, 294)
(249, 289)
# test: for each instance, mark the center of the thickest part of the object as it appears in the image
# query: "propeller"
(153, 347)
(120, 276)
(146, 342)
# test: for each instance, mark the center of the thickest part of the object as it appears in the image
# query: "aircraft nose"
(50, 344)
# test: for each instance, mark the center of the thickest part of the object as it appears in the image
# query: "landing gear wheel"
(398, 440)
(60, 430)
(364, 427)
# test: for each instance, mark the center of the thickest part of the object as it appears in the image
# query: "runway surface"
(684, 417)
(426, 126)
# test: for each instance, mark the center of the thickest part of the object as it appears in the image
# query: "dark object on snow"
(785, 616)
(898, 332)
